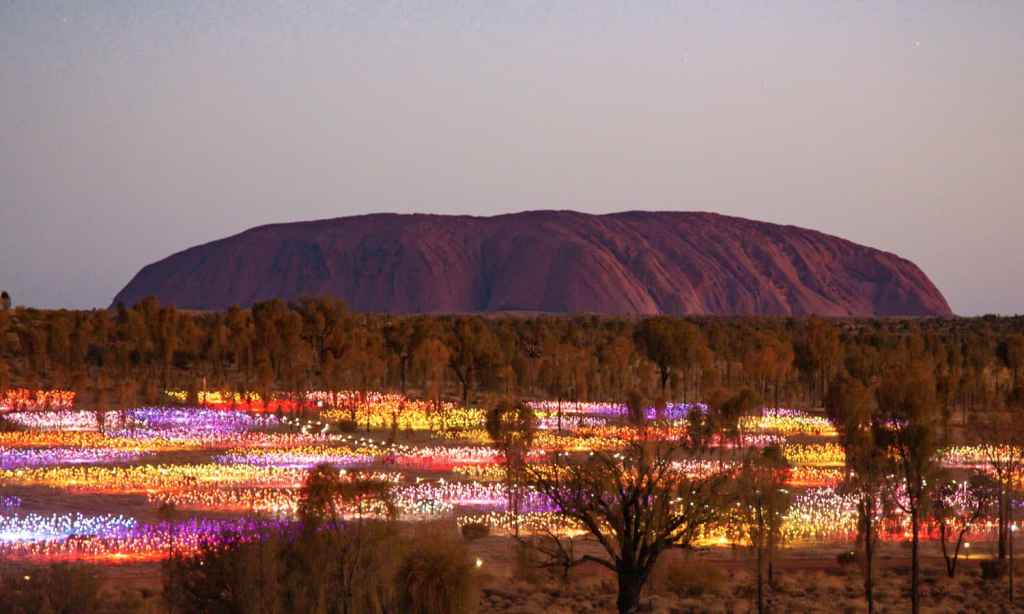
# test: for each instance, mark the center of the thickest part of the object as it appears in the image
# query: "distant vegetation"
(910, 404)
(130, 356)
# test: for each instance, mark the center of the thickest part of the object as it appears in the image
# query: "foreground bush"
(437, 575)
(60, 589)
(993, 569)
(351, 568)
(237, 576)
(348, 570)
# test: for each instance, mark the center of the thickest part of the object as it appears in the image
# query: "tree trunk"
(1003, 488)
(915, 563)
(760, 556)
(630, 584)
(950, 565)
(760, 580)
(869, 555)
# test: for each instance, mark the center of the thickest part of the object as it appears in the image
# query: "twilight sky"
(132, 129)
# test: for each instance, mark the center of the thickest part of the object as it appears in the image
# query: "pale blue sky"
(133, 129)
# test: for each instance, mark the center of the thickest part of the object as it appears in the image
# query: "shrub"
(9, 426)
(475, 530)
(436, 575)
(61, 588)
(371, 555)
(347, 426)
(690, 580)
(992, 569)
(350, 569)
(231, 575)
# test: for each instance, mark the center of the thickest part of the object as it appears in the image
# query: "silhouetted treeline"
(130, 355)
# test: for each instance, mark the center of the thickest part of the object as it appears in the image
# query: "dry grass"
(721, 583)
(686, 579)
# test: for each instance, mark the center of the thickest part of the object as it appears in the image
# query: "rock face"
(545, 261)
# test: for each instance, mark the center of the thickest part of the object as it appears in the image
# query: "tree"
(636, 504)
(241, 331)
(1011, 350)
(473, 348)
(1000, 436)
(617, 361)
(769, 363)
(700, 429)
(263, 377)
(727, 408)
(511, 427)
(907, 405)
(5, 323)
(362, 364)
(636, 408)
(819, 354)
(560, 369)
(852, 409)
(5, 377)
(431, 361)
(400, 340)
(762, 503)
(958, 506)
(5, 301)
(323, 322)
(670, 344)
(320, 499)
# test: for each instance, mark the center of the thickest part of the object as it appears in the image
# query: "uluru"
(631, 263)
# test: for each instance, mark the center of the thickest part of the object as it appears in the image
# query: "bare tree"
(762, 502)
(956, 508)
(636, 504)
